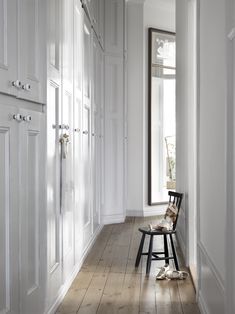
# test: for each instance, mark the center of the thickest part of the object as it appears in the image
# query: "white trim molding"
(155, 211)
(147, 211)
(135, 212)
(112, 219)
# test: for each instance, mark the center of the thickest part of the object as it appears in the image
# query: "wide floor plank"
(109, 283)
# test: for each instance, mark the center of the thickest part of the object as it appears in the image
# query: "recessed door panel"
(4, 219)
(8, 46)
(67, 184)
(32, 214)
(87, 58)
(54, 34)
(53, 187)
(9, 217)
(32, 48)
(86, 148)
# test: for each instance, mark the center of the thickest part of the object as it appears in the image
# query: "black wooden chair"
(175, 198)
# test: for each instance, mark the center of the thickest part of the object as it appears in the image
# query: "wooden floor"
(108, 282)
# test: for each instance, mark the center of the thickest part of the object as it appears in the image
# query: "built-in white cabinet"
(23, 49)
(75, 66)
(56, 158)
(22, 210)
(114, 113)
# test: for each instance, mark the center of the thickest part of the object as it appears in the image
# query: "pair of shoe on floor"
(166, 273)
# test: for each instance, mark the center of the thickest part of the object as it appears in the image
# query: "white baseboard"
(112, 219)
(134, 213)
(64, 289)
(154, 211)
(146, 212)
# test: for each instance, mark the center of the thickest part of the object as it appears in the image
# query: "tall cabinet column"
(114, 205)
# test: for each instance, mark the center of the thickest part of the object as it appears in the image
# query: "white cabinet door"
(86, 132)
(78, 72)
(53, 191)
(67, 185)
(8, 46)
(54, 233)
(32, 213)
(114, 26)
(114, 137)
(32, 50)
(67, 182)
(9, 219)
(96, 131)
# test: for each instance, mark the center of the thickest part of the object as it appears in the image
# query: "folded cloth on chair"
(169, 219)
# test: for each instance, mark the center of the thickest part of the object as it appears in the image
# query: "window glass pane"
(163, 49)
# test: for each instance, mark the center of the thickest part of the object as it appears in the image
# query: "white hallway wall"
(141, 15)
(212, 160)
(212, 148)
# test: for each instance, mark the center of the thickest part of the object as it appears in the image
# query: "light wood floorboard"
(109, 283)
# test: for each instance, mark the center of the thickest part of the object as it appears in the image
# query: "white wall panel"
(213, 131)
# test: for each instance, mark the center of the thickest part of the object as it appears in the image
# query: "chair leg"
(166, 249)
(174, 253)
(137, 261)
(149, 260)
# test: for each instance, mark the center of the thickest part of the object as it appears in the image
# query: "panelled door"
(8, 46)
(9, 219)
(66, 136)
(78, 72)
(32, 213)
(96, 129)
(86, 133)
(53, 153)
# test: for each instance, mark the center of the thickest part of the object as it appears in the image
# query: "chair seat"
(146, 230)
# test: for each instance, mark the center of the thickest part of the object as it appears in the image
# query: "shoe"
(176, 274)
(162, 272)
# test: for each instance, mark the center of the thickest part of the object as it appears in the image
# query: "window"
(161, 115)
